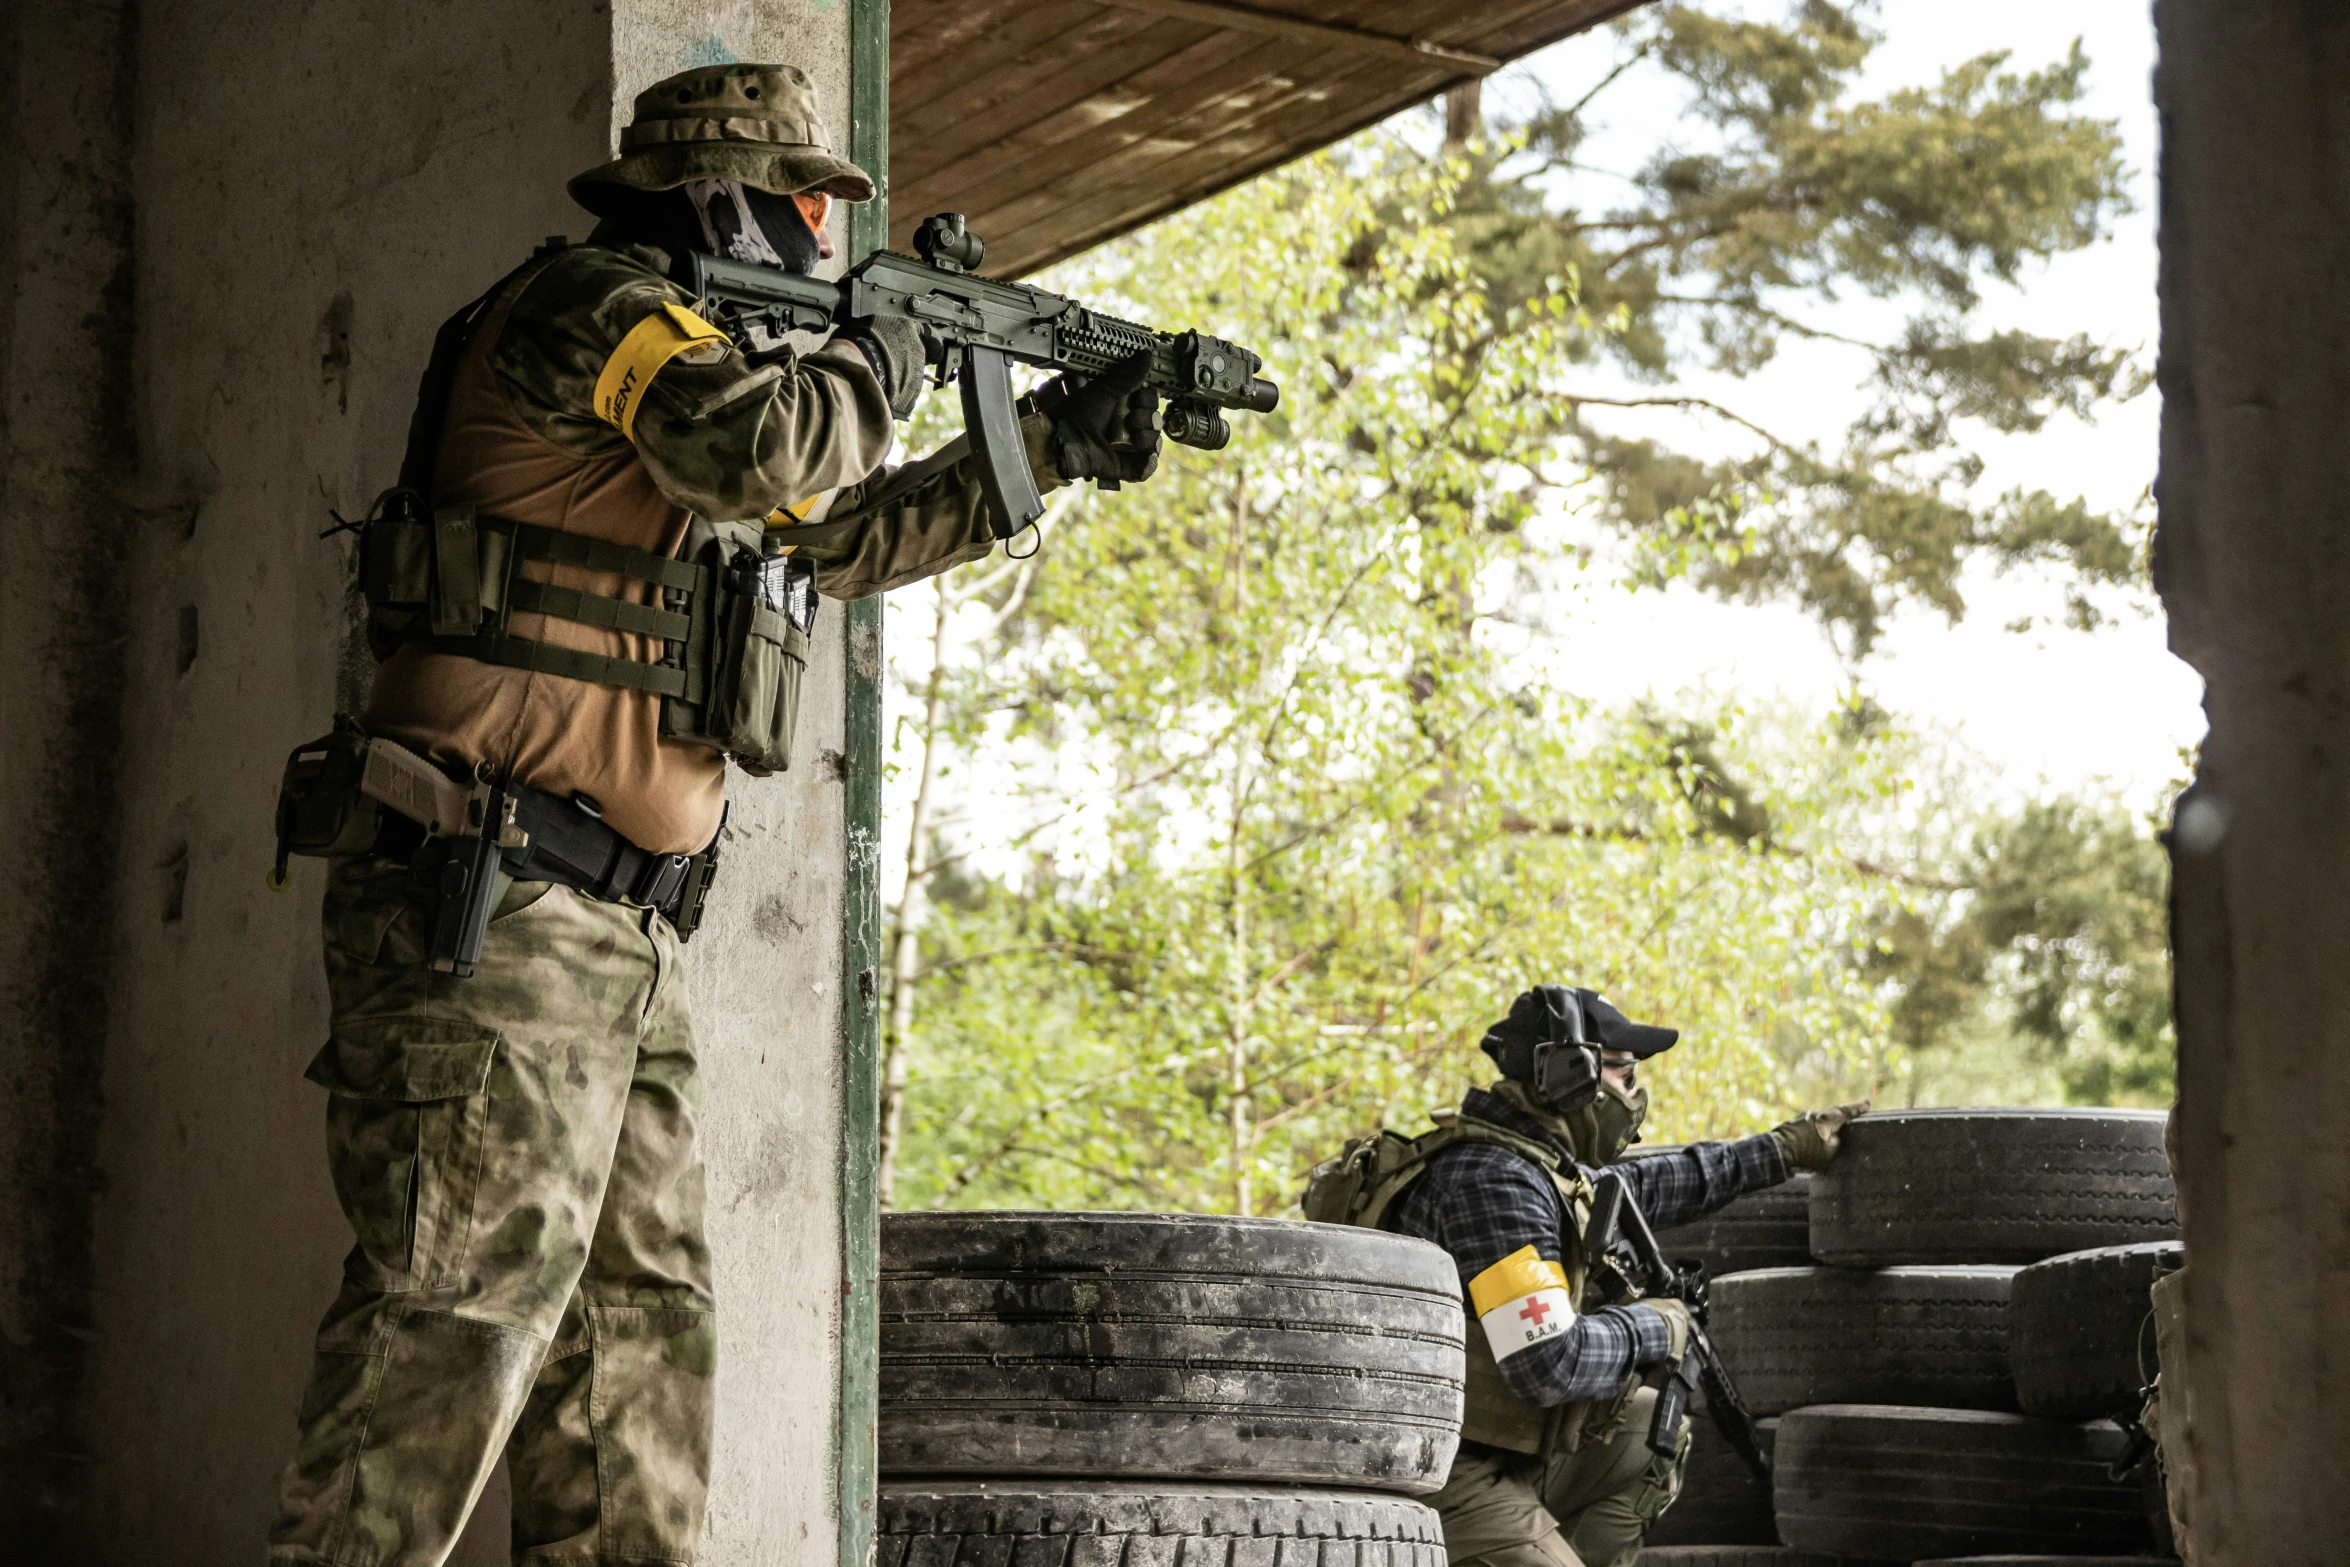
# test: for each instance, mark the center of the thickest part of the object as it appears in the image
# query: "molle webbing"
(471, 608)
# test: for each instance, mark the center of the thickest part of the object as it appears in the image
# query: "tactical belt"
(572, 847)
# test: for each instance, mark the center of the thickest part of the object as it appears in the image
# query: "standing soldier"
(1554, 1468)
(512, 1132)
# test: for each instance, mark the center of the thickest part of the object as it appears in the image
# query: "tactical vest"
(1363, 1184)
(731, 620)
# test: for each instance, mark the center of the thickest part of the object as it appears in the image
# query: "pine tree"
(1797, 200)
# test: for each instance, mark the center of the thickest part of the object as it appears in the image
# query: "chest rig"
(730, 621)
(1362, 1186)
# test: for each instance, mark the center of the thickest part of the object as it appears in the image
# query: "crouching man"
(1554, 1468)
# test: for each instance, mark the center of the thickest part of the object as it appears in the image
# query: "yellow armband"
(784, 518)
(1520, 1301)
(650, 344)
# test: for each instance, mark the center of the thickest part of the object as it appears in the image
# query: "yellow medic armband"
(660, 337)
(1521, 1300)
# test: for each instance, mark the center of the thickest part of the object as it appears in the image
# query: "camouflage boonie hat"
(753, 123)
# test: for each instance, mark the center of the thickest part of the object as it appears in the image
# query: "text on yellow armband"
(1522, 1272)
(650, 344)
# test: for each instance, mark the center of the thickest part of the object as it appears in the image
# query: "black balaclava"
(726, 218)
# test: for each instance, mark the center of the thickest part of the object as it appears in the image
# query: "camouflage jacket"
(727, 439)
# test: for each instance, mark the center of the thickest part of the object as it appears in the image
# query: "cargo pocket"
(1660, 1483)
(762, 654)
(407, 1111)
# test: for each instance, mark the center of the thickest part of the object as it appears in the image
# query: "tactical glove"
(1811, 1139)
(1676, 1318)
(1106, 429)
(895, 349)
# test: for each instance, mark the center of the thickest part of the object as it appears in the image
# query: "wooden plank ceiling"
(1054, 125)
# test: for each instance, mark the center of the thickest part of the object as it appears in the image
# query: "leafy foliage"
(2062, 939)
(1255, 795)
(1312, 823)
(1715, 257)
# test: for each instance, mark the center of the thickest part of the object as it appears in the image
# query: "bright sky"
(2049, 706)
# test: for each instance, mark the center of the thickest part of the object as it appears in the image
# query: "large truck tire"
(1114, 1523)
(1916, 1484)
(2080, 1330)
(1120, 1345)
(1746, 1556)
(1721, 1502)
(1910, 1335)
(1766, 1229)
(1991, 1186)
(2044, 1561)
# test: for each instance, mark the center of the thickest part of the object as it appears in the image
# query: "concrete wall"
(2253, 566)
(312, 189)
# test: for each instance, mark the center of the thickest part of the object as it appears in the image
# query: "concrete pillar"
(66, 531)
(2252, 564)
(311, 189)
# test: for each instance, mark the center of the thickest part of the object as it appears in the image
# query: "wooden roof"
(1054, 125)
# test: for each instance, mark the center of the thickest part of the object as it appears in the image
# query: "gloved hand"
(1676, 1317)
(1811, 1139)
(895, 348)
(1106, 429)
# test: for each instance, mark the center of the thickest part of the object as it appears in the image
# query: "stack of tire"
(1162, 1390)
(1936, 1333)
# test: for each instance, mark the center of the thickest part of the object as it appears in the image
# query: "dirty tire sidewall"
(2080, 1330)
(1914, 1484)
(1747, 1556)
(1106, 1523)
(1909, 1335)
(2048, 1561)
(1170, 1346)
(1991, 1186)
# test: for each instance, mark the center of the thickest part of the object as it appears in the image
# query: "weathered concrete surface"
(65, 324)
(766, 975)
(2252, 564)
(314, 188)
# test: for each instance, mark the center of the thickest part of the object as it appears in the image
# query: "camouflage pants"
(516, 1154)
(1588, 1508)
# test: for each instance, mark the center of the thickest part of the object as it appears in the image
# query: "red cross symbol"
(1536, 1310)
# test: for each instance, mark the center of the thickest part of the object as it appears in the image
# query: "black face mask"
(756, 227)
(764, 229)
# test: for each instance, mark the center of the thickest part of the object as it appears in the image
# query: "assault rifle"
(1615, 1213)
(978, 326)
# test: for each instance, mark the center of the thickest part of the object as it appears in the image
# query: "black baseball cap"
(1553, 1013)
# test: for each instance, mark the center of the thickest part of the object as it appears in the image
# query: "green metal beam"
(856, 1470)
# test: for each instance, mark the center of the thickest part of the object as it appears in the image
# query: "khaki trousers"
(516, 1155)
(1588, 1508)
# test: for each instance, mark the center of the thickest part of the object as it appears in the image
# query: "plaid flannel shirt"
(1482, 1203)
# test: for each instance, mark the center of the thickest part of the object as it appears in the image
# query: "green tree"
(1327, 815)
(1285, 800)
(1789, 201)
(2055, 949)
